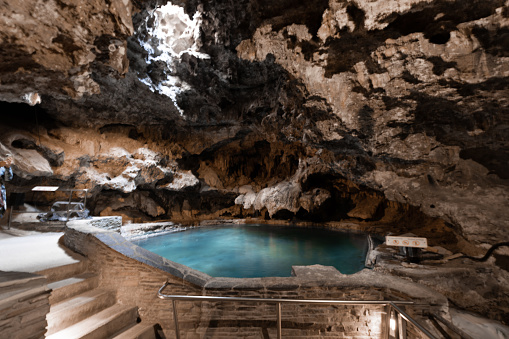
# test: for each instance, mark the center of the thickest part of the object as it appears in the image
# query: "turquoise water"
(248, 251)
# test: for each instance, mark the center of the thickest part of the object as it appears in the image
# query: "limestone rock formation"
(408, 99)
(51, 47)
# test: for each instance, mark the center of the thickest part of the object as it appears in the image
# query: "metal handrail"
(412, 320)
(391, 303)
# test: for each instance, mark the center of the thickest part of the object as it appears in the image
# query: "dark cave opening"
(23, 116)
(440, 38)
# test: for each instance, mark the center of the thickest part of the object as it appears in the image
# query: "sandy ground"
(23, 251)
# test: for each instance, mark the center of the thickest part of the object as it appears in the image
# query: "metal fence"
(394, 320)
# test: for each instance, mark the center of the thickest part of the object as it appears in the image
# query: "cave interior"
(384, 117)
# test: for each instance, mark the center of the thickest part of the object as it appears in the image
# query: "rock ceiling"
(376, 112)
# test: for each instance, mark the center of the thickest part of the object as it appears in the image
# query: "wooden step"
(67, 288)
(77, 308)
(101, 325)
(138, 331)
(63, 272)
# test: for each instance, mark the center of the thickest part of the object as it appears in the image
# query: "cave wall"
(52, 47)
(387, 113)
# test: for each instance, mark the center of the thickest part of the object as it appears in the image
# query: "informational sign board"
(45, 188)
(406, 241)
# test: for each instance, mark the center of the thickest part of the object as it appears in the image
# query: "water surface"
(248, 251)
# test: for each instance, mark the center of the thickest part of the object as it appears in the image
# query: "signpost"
(410, 245)
(406, 241)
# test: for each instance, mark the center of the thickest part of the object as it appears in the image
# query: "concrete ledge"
(111, 223)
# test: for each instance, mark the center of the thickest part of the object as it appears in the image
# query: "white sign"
(406, 241)
(45, 188)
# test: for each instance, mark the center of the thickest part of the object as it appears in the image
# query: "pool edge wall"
(136, 275)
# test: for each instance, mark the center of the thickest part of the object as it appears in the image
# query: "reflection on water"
(247, 251)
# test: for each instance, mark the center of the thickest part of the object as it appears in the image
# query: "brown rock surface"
(408, 99)
(49, 47)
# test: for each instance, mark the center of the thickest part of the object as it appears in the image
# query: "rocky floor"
(480, 287)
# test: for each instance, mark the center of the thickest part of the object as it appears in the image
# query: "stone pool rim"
(79, 232)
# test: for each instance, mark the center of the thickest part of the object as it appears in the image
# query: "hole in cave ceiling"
(170, 33)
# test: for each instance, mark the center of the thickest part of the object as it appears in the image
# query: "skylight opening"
(171, 34)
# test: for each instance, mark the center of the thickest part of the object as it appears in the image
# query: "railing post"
(10, 218)
(68, 205)
(386, 333)
(411, 320)
(401, 327)
(278, 320)
(175, 319)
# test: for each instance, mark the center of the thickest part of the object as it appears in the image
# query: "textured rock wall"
(384, 112)
(51, 47)
(420, 86)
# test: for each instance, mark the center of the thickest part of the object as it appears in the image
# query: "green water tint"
(249, 251)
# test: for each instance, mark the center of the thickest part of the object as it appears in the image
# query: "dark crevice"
(439, 65)
(495, 42)
(357, 15)
(366, 121)
(410, 78)
(66, 43)
(495, 160)
(351, 48)
(122, 129)
(286, 12)
(468, 89)
(441, 17)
